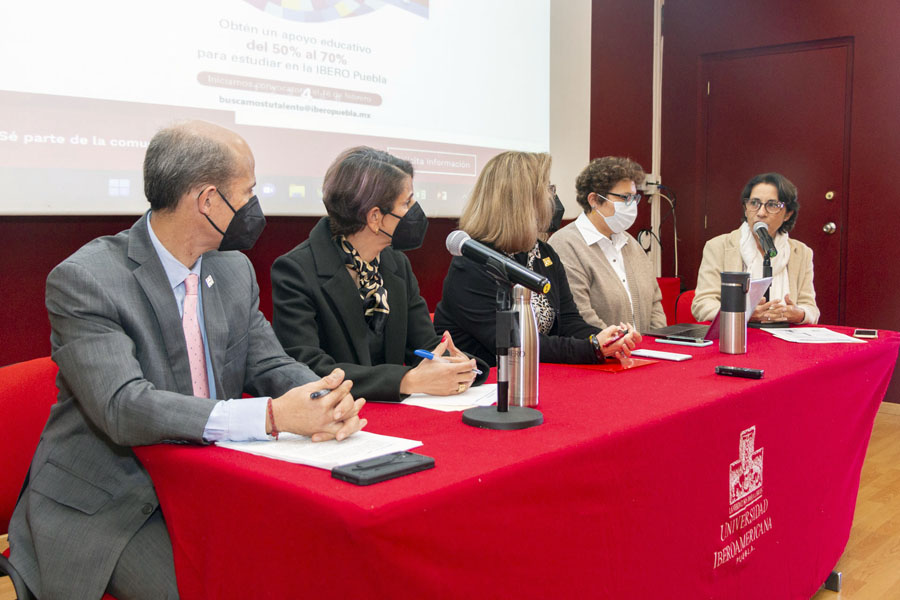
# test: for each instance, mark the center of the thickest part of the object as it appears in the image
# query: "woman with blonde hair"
(510, 207)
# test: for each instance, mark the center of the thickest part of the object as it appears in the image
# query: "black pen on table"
(431, 356)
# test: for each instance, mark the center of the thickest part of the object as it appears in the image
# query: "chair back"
(670, 287)
(27, 391)
(683, 303)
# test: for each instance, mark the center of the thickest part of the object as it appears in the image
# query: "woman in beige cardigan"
(772, 199)
(610, 275)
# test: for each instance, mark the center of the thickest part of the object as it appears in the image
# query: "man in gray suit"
(89, 519)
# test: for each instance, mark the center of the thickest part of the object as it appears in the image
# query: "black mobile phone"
(382, 468)
(866, 333)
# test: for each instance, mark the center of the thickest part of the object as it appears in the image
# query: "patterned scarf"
(543, 312)
(371, 286)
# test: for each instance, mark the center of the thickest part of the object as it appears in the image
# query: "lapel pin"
(209, 281)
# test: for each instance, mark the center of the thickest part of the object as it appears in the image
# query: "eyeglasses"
(772, 206)
(552, 188)
(629, 199)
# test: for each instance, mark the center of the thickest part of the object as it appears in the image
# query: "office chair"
(683, 307)
(27, 391)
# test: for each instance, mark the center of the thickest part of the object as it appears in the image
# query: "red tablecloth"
(664, 480)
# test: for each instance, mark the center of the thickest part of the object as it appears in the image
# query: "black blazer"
(468, 310)
(319, 317)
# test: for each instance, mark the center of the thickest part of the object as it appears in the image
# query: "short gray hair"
(181, 157)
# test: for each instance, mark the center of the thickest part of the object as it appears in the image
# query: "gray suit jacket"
(124, 380)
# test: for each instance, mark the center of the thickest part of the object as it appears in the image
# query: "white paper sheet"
(324, 455)
(757, 290)
(482, 395)
(813, 335)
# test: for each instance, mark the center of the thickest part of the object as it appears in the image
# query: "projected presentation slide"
(445, 84)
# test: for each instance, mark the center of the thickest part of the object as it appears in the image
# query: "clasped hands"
(444, 376)
(333, 416)
(778, 311)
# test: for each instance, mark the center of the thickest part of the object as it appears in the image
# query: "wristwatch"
(598, 348)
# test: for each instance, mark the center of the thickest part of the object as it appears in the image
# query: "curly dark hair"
(602, 174)
(787, 193)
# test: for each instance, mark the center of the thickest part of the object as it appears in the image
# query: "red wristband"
(272, 419)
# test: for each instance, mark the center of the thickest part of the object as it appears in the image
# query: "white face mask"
(623, 218)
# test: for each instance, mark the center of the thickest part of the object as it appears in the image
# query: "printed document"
(812, 335)
(324, 455)
(482, 395)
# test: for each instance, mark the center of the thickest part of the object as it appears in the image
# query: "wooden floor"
(871, 561)
(6, 588)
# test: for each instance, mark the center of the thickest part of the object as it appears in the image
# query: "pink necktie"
(193, 338)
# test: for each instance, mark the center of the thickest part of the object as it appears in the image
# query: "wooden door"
(783, 109)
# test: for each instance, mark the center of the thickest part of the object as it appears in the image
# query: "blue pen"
(430, 356)
(318, 394)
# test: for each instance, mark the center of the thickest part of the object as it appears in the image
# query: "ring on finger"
(461, 388)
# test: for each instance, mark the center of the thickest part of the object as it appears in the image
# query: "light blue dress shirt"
(239, 419)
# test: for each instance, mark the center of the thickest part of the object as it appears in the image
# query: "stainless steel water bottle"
(732, 317)
(525, 357)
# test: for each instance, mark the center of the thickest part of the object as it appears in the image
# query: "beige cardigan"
(601, 298)
(723, 253)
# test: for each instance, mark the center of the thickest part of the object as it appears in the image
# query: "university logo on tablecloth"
(747, 508)
(746, 476)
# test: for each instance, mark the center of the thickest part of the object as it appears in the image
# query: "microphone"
(765, 240)
(459, 243)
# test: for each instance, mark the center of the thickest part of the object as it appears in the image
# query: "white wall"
(570, 95)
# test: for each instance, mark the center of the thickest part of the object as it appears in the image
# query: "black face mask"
(245, 227)
(410, 231)
(558, 211)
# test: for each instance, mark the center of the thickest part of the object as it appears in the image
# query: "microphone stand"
(767, 272)
(505, 417)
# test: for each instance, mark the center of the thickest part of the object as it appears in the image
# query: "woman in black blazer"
(347, 296)
(509, 207)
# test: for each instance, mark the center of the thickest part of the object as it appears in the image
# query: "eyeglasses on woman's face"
(772, 206)
(628, 199)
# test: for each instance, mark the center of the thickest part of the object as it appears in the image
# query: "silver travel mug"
(732, 316)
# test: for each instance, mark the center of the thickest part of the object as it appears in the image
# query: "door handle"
(829, 228)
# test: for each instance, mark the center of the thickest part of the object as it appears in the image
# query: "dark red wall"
(621, 79)
(621, 84)
(32, 246)
(621, 97)
(696, 27)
